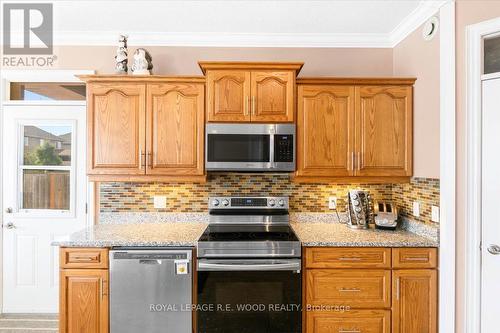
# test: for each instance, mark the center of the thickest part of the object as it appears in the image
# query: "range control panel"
(248, 202)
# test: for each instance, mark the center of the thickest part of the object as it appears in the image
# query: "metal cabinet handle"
(149, 160)
(247, 105)
(350, 258)
(142, 157)
(416, 259)
(358, 161)
(10, 225)
(494, 249)
(253, 105)
(8, 210)
(355, 290)
(349, 331)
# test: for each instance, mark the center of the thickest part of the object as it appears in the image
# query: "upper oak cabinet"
(145, 128)
(354, 129)
(250, 92)
(116, 125)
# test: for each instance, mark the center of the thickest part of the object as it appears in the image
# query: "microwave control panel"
(283, 148)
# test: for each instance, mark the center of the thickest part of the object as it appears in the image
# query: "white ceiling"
(358, 23)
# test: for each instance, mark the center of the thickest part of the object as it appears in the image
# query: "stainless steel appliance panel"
(149, 291)
(250, 147)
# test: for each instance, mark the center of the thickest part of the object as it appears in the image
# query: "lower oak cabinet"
(83, 293)
(370, 290)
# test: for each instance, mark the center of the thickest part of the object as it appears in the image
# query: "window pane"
(46, 189)
(492, 55)
(47, 145)
(36, 91)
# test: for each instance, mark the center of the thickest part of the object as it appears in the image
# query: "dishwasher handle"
(149, 261)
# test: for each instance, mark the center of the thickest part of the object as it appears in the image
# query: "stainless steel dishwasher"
(150, 290)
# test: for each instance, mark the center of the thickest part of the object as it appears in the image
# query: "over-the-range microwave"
(250, 147)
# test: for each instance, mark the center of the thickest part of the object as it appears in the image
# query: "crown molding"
(103, 38)
(415, 19)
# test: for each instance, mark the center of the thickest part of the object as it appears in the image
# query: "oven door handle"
(228, 265)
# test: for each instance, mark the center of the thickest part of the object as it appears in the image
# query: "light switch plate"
(332, 202)
(416, 208)
(435, 214)
(160, 201)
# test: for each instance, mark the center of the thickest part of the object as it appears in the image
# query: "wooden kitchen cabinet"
(354, 130)
(414, 302)
(386, 290)
(273, 96)
(174, 129)
(116, 114)
(250, 92)
(384, 131)
(352, 321)
(228, 97)
(83, 291)
(325, 136)
(145, 128)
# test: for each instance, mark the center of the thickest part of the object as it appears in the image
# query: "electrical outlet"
(416, 208)
(332, 202)
(160, 201)
(435, 214)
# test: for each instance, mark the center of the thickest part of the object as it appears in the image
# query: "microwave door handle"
(271, 151)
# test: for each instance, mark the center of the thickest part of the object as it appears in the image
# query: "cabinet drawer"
(365, 288)
(356, 321)
(345, 257)
(83, 258)
(414, 258)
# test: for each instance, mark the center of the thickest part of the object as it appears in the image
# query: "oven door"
(248, 147)
(248, 296)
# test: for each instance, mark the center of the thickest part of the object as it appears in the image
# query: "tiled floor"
(28, 323)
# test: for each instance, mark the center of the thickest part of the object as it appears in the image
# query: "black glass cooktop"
(236, 233)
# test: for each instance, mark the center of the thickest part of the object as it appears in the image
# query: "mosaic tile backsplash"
(138, 197)
(423, 190)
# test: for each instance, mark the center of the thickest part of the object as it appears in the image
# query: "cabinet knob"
(10, 225)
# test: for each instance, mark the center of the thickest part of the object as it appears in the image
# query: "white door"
(44, 194)
(490, 255)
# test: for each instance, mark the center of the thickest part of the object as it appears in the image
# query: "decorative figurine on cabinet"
(121, 58)
(143, 63)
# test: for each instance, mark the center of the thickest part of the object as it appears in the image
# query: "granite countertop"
(337, 234)
(135, 234)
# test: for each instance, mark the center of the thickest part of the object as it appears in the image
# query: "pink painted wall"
(467, 13)
(184, 60)
(419, 58)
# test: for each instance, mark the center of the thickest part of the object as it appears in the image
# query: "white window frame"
(28, 213)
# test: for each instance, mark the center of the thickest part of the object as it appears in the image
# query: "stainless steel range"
(249, 267)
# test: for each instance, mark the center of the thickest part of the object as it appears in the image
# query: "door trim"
(447, 225)
(473, 164)
(8, 76)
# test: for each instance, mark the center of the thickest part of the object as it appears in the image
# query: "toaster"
(386, 215)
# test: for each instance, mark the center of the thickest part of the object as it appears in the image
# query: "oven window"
(238, 148)
(250, 302)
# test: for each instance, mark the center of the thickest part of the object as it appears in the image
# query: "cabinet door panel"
(325, 135)
(353, 321)
(414, 304)
(384, 131)
(84, 301)
(175, 125)
(273, 96)
(116, 123)
(228, 96)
